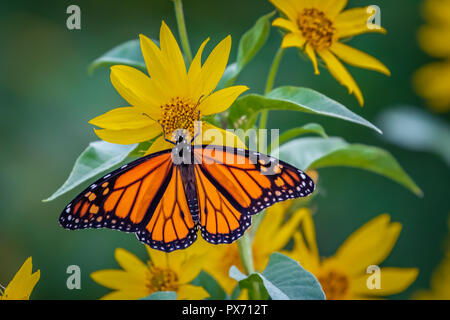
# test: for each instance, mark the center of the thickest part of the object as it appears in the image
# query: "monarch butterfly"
(167, 196)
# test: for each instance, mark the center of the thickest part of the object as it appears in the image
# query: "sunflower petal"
(312, 56)
(287, 230)
(333, 7)
(213, 135)
(220, 100)
(355, 21)
(369, 245)
(121, 280)
(287, 7)
(129, 136)
(213, 68)
(285, 24)
(358, 58)
(23, 282)
(293, 40)
(122, 118)
(174, 57)
(158, 258)
(129, 262)
(190, 268)
(156, 66)
(196, 66)
(393, 280)
(135, 87)
(159, 144)
(190, 292)
(341, 74)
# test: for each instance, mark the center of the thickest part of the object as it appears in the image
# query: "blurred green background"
(47, 99)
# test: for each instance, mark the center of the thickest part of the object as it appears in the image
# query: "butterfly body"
(166, 197)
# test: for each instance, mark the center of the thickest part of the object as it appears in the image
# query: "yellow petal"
(212, 135)
(158, 258)
(129, 136)
(159, 144)
(333, 7)
(121, 280)
(23, 282)
(174, 57)
(369, 245)
(191, 268)
(196, 66)
(129, 262)
(122, 295)
(190, 292)
(293, 40)
(213, 69)
(312, 56)
(285, 24)
(287, 7)
(358, 58)
(287, 230)
(354, 21)
(393, 280)
(122, 118)
(220, 100)
(341, 74)
(136, 88)
(157, 67)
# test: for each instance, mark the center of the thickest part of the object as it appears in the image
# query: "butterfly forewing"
(121, 199)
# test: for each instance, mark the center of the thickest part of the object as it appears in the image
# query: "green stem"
(245, 252)
(182, 30)
(269, 84)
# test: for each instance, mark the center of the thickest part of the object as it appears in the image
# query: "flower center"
(317, 29)
(179, 113)
(334, 284)
(162, 280)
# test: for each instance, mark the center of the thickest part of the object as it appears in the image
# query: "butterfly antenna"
(164, 134)
(149, 117)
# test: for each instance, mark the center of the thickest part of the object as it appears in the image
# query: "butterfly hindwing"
(220, 221)
(171, 226)
(121, 199)
(238, 183)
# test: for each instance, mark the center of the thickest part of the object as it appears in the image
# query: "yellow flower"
(171, 98)
(344, 276)
(316, 26)
(22, 284)
(164, 272)
(272, 235)
(432, 81)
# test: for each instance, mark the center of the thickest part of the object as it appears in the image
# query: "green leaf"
(205, 280)
(315, 153)
(417, 130)
(128, 53)
(244, 111)
(284, 279)
(162, 295)
(99, 156)
(253, 40)
(250, 43)
(308, 128)
(369, 158)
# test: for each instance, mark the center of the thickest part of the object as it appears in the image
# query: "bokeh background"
(47, 98)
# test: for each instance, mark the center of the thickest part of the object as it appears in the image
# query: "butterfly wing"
(171, 226)
(121, 199)
(234, 184)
